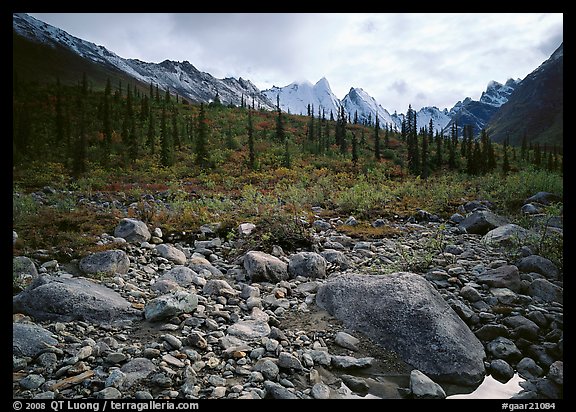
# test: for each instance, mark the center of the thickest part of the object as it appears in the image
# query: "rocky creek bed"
(154, 317)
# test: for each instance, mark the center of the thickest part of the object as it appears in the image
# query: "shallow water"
(490, 388)
(386, 387)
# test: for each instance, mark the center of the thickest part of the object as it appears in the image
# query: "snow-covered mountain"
(296, 97)
(479, 112)
(440, 118)
(178, 77)
(357, 101)
(189, 82)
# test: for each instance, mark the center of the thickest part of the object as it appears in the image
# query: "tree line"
(75, 124)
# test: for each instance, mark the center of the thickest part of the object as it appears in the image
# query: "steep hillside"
(536, 108)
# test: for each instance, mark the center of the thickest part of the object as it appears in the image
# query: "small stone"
(32, 381)
(173, 341)
(109, 393)
(171, 360)
(116, 357)
(422, 387)
(320, 391)
(501, 370)
(346, 341)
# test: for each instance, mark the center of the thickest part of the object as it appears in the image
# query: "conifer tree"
(524, 147)
(166, 156)
(151, 134)
(202, 138)
(537, 155)
(175, 130)
(452, 149)
(319, 132)
(287, 161)
(341, 131)
(425, 138)
(505, 161)
(438, 159)
(280, 136)
(133, 139)
(311, 126)
(251, 152)
(144, 108)
(377, 153)
(59, 115)
(79, 157)
(354, 149)
(387, 137)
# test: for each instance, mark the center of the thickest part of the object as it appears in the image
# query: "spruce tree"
(438, 158)
(387, 137)
(166, 156)
(354, 149)
(151, 134)
(524, 147)
(341, 131)
(280, 136)
(202, 138)
(452, 149)
(175, 130)
(287, 161)
(251, 152)
(377, 154)
(424, 164)
(505, 161)
(59, 137)
(79, 156)
(537, 155)
(311, 125)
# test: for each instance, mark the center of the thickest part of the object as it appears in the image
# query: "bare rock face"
(67, 299)
(404, 313)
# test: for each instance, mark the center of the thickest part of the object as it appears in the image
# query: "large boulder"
(170, 305)
(404, 313)
(538, 264)
(133, 230)
(506, 276)
(547, 291)
(67, 299)
(307, 264)
(108, 262)
(544, 198)
(262, 267)
(23, 272)
(482, 221)
(200, 265)
(171, 253)
(30, 340)
(181, 275)
(506, 235)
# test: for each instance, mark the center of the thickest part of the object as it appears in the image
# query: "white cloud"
(411, 58)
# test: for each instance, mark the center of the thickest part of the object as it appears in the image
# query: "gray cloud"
(418, 58)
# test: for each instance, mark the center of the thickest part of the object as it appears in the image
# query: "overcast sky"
(421, 59)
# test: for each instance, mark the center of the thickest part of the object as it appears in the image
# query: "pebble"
(236, 344)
